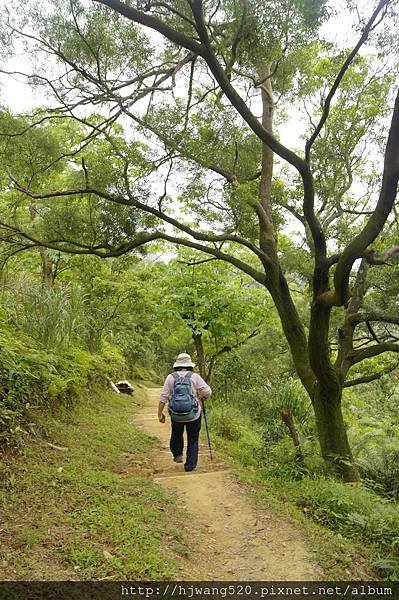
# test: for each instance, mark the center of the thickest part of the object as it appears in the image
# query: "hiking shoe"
(178, 459)
(188, 469)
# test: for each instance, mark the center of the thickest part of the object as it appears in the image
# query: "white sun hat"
(183, 360)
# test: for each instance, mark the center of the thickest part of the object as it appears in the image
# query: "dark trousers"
(177, 443)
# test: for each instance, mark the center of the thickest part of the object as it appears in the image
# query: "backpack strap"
(186, 377)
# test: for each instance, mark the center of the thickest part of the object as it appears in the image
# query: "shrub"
(227, 422)
(242, 436)
(33, 378)
(290, 394)
(279, 459)
(355, 512)
(380, 470)
(375, 442)
(52, 317)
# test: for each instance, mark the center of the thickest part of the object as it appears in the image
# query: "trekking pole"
(208, 435)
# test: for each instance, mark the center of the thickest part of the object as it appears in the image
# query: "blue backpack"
(183, 405)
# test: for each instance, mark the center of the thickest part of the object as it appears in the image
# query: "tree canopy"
(167, 120)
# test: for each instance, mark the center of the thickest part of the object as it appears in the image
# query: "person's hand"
(162, 418)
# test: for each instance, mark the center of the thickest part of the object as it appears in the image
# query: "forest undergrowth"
(357, 524)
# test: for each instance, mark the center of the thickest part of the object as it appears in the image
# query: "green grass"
(88, 512)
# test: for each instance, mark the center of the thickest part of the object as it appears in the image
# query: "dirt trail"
(231, 539)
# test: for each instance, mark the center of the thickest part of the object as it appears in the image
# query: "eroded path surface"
(231, 539)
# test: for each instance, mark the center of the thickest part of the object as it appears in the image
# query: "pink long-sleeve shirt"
(197, 383)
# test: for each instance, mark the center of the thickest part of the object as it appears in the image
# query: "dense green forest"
(218, 178)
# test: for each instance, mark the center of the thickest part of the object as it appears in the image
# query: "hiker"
(183, 390)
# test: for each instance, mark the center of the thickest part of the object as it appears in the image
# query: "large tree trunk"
(327, 397)
(275, 279)
(333, 439)
(293, 328)
(311, 357)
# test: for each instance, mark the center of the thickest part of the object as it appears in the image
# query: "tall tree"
(190, 90)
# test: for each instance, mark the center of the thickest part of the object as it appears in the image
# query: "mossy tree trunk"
(333, 438)
(310, 353)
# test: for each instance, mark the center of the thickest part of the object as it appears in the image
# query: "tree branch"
(132, 202)
(372, 377)
(104, 251)
(357, 356)
(326, 108)
(355, 319)
(356, 248)
(228, 175)
(149, 21)
(204, 49)
(372, 332)
(101, 250)
(237, 39)
(142, 239)
(226, 348)
(359, 289)
(169, 8)
(381, 259)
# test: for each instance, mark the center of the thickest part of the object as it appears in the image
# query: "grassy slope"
(77, 514)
